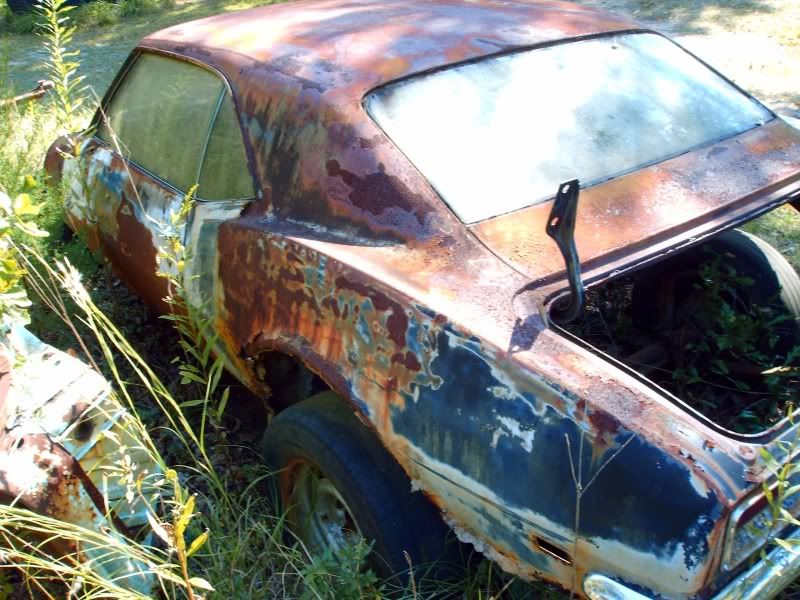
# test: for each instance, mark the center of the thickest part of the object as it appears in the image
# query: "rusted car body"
(62, 445)
(437, 332)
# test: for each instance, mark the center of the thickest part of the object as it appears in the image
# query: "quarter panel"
(498, 440)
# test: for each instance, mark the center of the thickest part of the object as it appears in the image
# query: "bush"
(130, 8)
(97, 14)
(27, 22)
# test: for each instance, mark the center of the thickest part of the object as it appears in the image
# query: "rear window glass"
(500, 134)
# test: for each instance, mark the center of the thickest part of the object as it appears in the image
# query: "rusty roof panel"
(353, 46)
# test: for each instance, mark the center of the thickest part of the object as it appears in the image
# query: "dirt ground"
(754, 42)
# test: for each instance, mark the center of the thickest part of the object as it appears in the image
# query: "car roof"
(351, 46)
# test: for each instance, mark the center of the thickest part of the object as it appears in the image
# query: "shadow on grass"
(694, 16)
(103, 48)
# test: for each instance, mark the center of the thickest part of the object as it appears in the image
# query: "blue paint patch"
(515, 539)
(362, 326)
(644, 498)
(413, 335)
(113, 180)
(323, 261)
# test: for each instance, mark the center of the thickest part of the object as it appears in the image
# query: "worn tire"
(324, 431)
(775, 281)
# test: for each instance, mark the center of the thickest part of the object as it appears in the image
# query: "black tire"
(324, 431)
(775, 282)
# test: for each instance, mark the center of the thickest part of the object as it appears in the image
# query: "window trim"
(108, 97)
(211, 123)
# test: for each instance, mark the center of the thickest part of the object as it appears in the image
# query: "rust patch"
(134, 258)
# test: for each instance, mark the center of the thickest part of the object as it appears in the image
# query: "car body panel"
(343, 49)
(126, 214)
(64, 437)
(437, 333)
(654, 204)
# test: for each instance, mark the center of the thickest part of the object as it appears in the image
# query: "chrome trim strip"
(600, 587)
(766, 578)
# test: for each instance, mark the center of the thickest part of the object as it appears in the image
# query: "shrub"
(98, 14)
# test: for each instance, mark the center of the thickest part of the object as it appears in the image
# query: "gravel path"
(756, 43)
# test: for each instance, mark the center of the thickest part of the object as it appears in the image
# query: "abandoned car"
(407, 219)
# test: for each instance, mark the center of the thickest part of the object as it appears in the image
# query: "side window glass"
(160, 116)
(225, 174)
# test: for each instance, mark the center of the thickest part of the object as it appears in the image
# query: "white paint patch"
(666, 574)
(514, 429)
(19, 467)
(502, 392)
(498, 433)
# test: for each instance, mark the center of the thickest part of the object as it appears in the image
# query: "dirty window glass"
(501, 134)
(161, 114)
(225, 174)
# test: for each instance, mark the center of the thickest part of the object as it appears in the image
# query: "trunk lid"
(647, 213)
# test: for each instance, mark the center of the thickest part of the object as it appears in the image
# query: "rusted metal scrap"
(42, 87)
(61, 447)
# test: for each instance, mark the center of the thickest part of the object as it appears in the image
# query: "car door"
(169, 124)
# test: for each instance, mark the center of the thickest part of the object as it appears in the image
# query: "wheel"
(661, 292)
(338, 484)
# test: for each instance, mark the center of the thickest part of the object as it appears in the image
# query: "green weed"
(730, 366)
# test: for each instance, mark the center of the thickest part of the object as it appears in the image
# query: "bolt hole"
(84, 430)
(553, 222)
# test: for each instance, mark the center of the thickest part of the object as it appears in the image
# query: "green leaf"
(24, 206)
(188, 377)
(787, 516)
(192, 403)
(29, 184)
(223, 403)
(163, 572)
(31, 229)
(197, 543)
(201, 583)
(162, 530)
(183, 520)
(769, 461)
(789, 544)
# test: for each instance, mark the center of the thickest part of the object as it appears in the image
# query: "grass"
(105, 36)
(781, 228)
